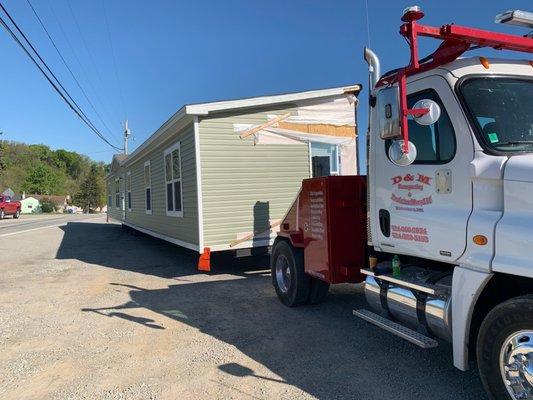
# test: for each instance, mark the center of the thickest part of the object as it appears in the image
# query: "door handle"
(384, 222)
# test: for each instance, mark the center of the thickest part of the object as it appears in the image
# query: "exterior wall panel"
(184, 228)
(246, 186)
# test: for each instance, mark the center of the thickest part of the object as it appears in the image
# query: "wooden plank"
(258, 128)
(257, 233)
(320, 129)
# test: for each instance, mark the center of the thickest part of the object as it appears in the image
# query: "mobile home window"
(128, 189)
(325, 159)
(173, 186)
(147, 187)
(117, 193)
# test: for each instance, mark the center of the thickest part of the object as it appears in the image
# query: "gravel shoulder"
(89, 311)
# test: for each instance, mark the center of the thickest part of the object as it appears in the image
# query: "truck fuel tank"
(412, 308)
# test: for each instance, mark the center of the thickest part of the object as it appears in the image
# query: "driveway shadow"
(320, 349)
(110, 245)
(323, 350)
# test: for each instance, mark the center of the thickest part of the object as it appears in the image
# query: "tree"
(3, 164)
(92, 189)
(40, 180)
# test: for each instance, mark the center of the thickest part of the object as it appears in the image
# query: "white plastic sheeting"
(339, 111)
(347, 146)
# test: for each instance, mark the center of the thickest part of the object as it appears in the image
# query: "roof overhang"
(186, 115)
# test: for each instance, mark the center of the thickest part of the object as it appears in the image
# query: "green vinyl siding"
(244, 186)
(184, 228)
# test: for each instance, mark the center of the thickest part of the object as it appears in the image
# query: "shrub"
(48, 206)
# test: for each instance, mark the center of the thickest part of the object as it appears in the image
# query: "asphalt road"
(89, 311)
(28, 222)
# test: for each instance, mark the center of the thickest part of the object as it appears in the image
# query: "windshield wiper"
(514, 142)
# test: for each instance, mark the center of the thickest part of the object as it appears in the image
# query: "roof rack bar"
(455, 41)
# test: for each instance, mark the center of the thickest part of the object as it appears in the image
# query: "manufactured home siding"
(184, 228)
(113, 211)
(244, 186)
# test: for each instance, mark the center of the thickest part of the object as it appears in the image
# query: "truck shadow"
(322, 350)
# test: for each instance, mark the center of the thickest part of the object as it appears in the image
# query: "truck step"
(397, 329)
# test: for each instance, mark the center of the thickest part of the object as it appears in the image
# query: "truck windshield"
(502, 110)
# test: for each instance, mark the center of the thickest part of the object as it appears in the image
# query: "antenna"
(127, 134)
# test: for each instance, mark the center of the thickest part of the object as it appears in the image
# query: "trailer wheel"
(318, 292)
(288, 275)
(505, 350)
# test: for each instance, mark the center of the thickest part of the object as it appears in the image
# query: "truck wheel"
(17, 214)
(318, 292)
(505, 350)
(2, 214)
(288, 274)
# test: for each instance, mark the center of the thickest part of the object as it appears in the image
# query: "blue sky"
(170, 53)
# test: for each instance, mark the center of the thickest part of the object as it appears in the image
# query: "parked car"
(9, 207)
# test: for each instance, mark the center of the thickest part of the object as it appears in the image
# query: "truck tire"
(318, 291)
(16, 215)
(2, 214)
(505, 349)
(291, 282)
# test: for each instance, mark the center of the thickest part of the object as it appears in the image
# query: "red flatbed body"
(328, 220)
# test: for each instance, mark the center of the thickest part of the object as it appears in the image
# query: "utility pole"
(127, 134)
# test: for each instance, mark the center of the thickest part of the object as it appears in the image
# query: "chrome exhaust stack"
(374, 67)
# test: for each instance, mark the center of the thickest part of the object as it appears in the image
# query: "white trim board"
(167, 151)
(181, 243)
(199, 199)
(206, 108)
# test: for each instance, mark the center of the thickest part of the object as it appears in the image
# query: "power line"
(71, 104)
(108, 106)
(84, 42)
(69, 70)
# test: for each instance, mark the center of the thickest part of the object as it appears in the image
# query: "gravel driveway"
(88, 311)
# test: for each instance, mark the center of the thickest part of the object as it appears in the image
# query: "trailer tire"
(318, 291)
(291, 282)
(509, 321)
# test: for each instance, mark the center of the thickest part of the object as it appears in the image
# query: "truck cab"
(457, 200)
(448, 202)
(9, 207)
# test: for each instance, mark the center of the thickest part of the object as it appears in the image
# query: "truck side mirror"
(388, 108)
(431, 116)
(398, 156)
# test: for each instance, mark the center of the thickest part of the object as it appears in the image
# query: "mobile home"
(221, 175)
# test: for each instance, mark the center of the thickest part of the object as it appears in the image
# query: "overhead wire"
(83, 41)
(109, 106)
(71, 103)
(70, 70)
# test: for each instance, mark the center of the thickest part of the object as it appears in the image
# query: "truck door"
(423, 208)
(11, 206)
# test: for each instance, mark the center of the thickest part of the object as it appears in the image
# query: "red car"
(9, 207)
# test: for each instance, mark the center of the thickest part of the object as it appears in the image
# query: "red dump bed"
(328, 219)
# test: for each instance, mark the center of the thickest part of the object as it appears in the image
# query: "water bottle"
(396, 266)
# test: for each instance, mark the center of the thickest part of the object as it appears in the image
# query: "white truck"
(449, 192)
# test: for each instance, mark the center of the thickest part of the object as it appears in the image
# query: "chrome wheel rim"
(283, 273)
(516, 365)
